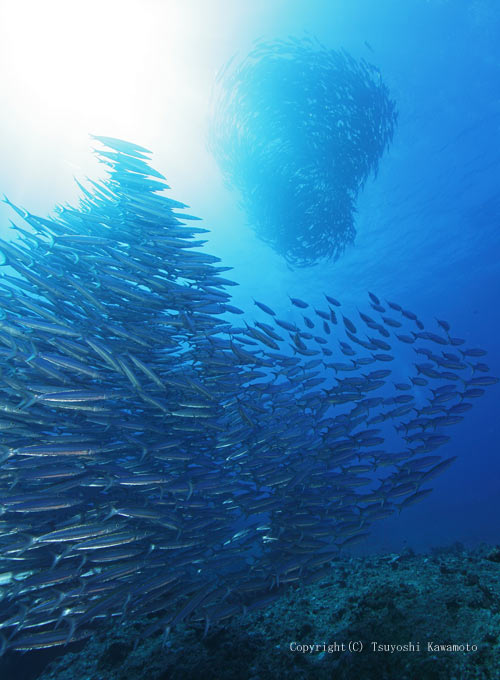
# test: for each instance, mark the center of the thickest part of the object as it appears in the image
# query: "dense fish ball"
(297, 129)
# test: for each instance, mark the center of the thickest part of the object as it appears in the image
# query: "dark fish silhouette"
(151, 450)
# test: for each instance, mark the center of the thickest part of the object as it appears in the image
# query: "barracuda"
(147, 447)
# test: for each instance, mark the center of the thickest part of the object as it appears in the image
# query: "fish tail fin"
(26, 403)
(34, 353)
(55, 561)
(71, 628)
(166, 635)
(113, 511)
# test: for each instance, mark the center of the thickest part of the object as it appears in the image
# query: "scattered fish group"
(157, 459)
(297, 129)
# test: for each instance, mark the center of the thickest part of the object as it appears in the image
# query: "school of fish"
(160, 462)
(297, 129)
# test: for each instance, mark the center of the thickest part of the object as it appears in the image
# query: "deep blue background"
(428, 226)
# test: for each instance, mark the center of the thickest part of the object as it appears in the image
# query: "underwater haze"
(137, 330)
(427, 226)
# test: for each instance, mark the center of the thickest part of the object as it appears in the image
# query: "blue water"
(427, 227)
